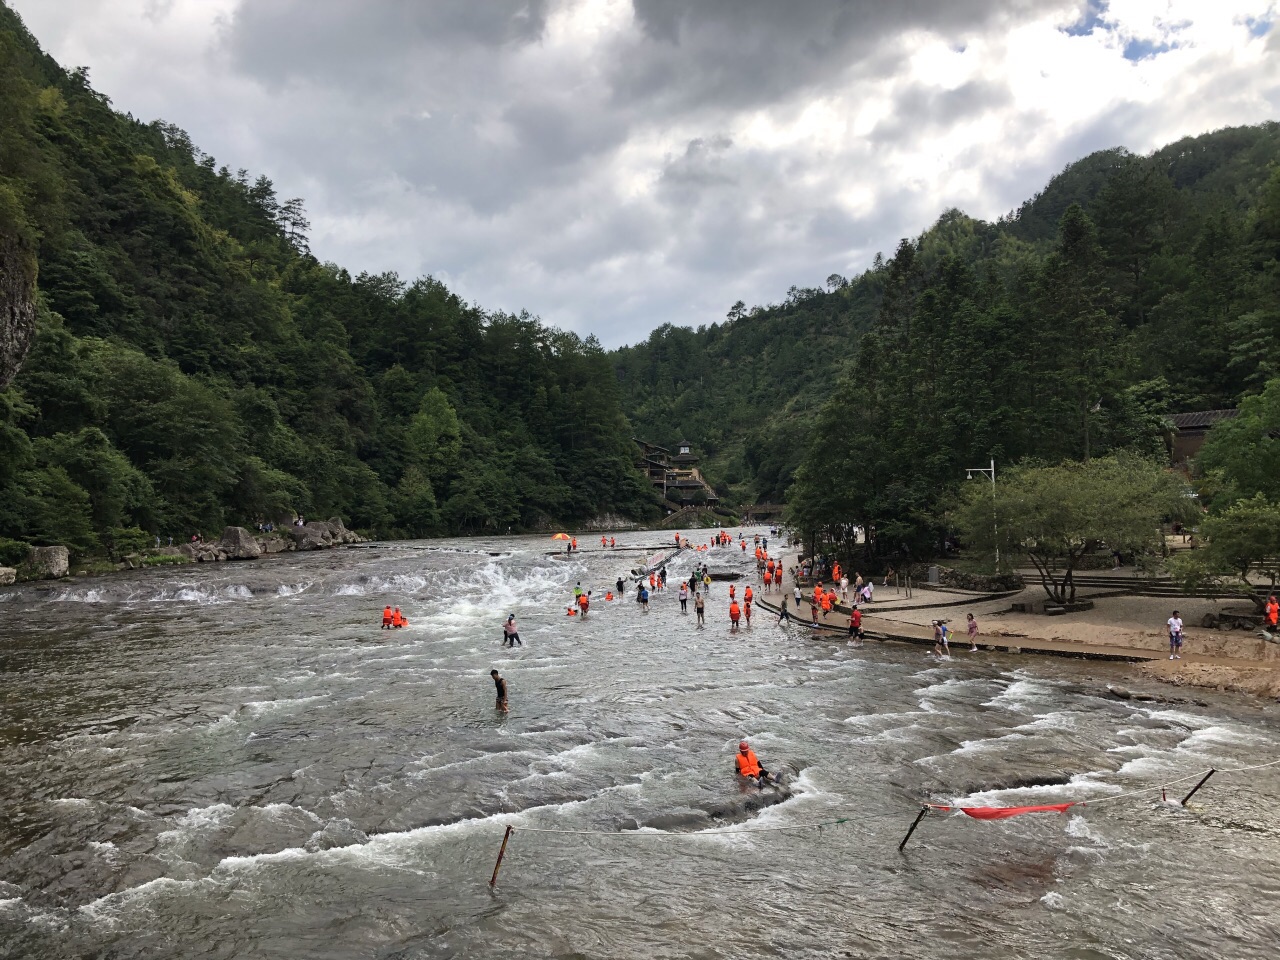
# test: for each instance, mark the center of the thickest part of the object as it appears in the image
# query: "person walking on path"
(501, 686)
(972, 628)
(798, 594)
(699, 607)
(855, 625)
(1175, 636)
(1272, 614)
(510, 634)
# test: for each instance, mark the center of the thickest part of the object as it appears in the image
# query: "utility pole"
(969, 474)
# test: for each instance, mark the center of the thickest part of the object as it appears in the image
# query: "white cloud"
(613, 168)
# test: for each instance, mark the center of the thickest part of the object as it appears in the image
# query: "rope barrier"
(663, 835)
(1000, 813)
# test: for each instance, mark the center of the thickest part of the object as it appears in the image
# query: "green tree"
(1053, 516)
(1241, 541)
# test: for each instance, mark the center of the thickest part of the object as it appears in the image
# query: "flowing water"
(235, 761)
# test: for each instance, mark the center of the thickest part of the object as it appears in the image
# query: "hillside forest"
(194, 365)
(1130, 289)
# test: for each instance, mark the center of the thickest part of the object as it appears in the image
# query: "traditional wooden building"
(1190, 430)
(678, 476)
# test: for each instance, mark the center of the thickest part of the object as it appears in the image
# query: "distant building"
(1190, 430)
(678, 477)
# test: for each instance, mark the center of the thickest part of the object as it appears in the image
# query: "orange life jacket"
(732, 592)
(386, 615)
(396, 619)
(583, 602)
(748, 765)
(735, 611)
(747, 594)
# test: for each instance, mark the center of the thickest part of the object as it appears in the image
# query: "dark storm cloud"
(919, 109)
(328, 39)
(734, 53)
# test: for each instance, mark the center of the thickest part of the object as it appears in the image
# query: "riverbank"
(1119, 628)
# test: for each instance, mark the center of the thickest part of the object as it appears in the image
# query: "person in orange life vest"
(733, 592)
(386, 618)
(748, 594)
(612, 542)
(397, 619)
(826, 601)
(574, 543)
(747, 764)
(744, 546)
(653, 581)
(1272, 613)
(604, 542)
(584, 603)
(735, 612)
(768, 579)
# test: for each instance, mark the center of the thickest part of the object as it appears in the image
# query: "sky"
(614, 165)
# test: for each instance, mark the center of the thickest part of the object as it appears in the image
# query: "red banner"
(1000, 813)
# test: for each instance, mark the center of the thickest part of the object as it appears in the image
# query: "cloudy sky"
(612, 165)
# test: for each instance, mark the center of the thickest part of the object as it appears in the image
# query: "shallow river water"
(235, 761)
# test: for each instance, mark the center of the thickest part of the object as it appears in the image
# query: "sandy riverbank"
(1118, 627)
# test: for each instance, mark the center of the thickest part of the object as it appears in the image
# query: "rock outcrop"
(48, 563)
(17, 300)
(237, 543)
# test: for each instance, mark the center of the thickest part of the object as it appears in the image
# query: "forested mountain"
(195, 365)
(1130, 288)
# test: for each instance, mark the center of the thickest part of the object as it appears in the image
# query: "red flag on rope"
(1001, 813)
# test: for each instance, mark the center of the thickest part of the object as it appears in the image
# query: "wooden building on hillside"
(678, 477)
(1189, 433)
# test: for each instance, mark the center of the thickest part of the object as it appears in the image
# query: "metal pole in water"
(915, 823)
(505, 837)
(1211, 772)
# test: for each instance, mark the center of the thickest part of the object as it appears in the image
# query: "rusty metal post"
(505, 837)
(915, 823)
(1211, 772)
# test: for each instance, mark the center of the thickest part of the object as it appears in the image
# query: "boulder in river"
(49, 563)
(237, 543)
(7, 576)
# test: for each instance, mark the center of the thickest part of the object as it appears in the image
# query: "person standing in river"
(699, 607)
(971, 627)
(684, 598)
(511, 635)
(501, 686)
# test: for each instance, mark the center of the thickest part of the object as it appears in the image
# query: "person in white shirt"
(844, 588)
(1175, 637)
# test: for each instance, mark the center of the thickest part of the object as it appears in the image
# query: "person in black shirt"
(502, 691)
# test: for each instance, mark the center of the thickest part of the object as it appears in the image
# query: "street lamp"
(972, 472)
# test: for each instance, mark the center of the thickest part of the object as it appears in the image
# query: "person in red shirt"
(1272, 613)
(855, 625)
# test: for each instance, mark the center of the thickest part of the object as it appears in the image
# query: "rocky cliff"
(17, 303)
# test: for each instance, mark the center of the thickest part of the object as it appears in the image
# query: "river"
(233, 760)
